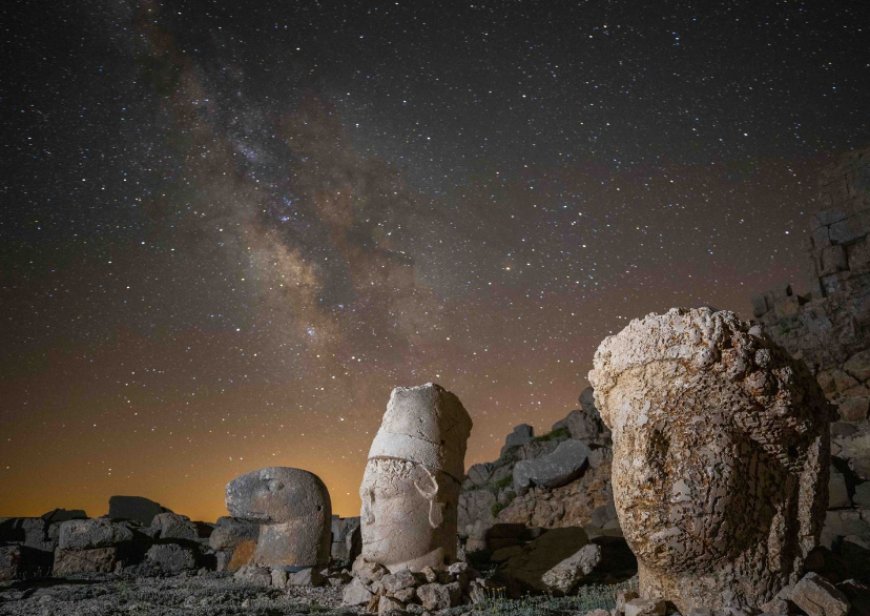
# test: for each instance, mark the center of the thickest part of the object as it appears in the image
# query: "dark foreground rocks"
(205, 594)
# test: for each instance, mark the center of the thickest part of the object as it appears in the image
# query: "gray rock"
(818, 597)
(566, 575)
(174, 526)
(171, 557)
(861, 497)
(556, 469)
(439, 596)
(394, 582)
(136, 508)
(356, 593)
(859, 365)
(480, 474)
(838, 494)
(20, 562)
(93, 533)
(309, 576)
(389, 605)
(520, 435)
(644, 607)
(254, 575)
(582, 426)
(95, 560)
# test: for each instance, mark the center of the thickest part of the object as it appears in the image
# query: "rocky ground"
(205, 593)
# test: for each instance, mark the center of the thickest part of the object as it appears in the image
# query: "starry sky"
(230, 228)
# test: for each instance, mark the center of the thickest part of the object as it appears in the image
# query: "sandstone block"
(93, 533)
(94, 560)
(818, 597)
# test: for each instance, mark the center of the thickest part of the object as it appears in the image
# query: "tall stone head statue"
(410, 489)
(720, 456)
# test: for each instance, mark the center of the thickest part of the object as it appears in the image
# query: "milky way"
(229, 231)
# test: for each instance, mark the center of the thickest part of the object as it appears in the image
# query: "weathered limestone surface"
(294, 510)
(410, 489)
(720, 456)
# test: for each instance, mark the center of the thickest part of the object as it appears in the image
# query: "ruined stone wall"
(832, 322)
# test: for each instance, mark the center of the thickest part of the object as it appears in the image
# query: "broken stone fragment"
(818, 597)
(720, 456)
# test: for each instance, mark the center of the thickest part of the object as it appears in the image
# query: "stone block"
(832, 260)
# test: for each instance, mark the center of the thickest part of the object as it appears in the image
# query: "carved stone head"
(720, 456)
(410, 490)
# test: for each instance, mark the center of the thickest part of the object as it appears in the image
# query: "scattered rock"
(818, 597)
(356, 593)
(566, 575)
(838, 493)
(521, 434)
(436, 596)
(565, 464)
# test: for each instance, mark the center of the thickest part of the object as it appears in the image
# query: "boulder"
(356, 593)
(174, 526)
(582, 426)
(436, 596)
(838, 493)
(858, 365)
(699, 403)
(520, 435)
(861, 497)
(389, 605)
(480, 474)
(94, 533)
(171, 557)
(818, 597)
(567, 574)
(94, 560)
(556, 469)
(136, 508)
(21, 562)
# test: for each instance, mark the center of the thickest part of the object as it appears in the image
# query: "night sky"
(230, 228)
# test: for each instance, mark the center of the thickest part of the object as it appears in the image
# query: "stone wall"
(832, 322)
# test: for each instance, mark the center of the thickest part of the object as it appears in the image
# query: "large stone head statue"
(294, 512)
(410, 489)
(720, 456)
